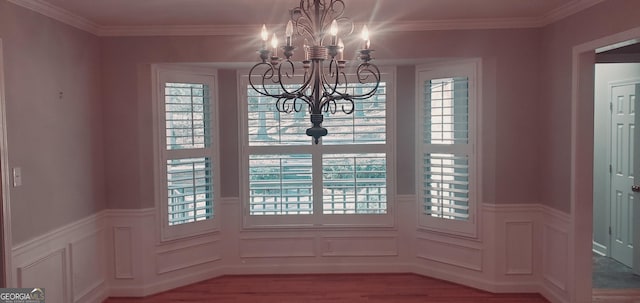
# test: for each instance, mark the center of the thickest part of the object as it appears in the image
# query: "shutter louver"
(446, 186)
(190, 190)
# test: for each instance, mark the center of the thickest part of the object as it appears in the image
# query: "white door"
(622, 171)
(636, 188)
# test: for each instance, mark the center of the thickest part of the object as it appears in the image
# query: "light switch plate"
(17, 176)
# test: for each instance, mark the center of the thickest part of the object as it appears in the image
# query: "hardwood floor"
(333, 288)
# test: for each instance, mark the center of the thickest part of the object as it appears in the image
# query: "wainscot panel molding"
(123, 252)
(454, 253)
(189, 255)
(277, 247)
(68, 261)
(519, 247)
(363, 246)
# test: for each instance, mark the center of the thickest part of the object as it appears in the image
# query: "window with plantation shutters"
(446, 116)
(186, 176)
(342, 180)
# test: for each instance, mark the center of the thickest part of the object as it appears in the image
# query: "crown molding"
(568, 10)
(64, 16)
(461, 24)
(176, 30)
(59, 14)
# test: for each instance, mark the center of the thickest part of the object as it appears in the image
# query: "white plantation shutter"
(291, 181)
(187, 176)
(446, 154)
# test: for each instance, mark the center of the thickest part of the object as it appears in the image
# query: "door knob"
(635, 188)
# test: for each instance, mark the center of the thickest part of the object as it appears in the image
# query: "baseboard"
(548, 292)
(478, 282)
(96, 295)
(165, 284)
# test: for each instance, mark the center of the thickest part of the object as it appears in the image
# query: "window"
(342, 181)
(187, 166)
(446, 140)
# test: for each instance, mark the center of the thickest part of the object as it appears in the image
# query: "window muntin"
(446, 180)
(360, 136)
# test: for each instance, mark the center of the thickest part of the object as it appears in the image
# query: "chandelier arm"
(268, 74)
(307, 80)
(364, 71)
(286, 93)
(350, 110)
(325, 82)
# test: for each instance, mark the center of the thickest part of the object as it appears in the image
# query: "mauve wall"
(510, 113)
(558, 40)
(57, 141)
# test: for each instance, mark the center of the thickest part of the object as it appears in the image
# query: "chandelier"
(323, 86)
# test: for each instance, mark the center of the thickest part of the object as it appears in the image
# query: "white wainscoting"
(141, 265)
(68, 262)
(520, 248)
(555, 255)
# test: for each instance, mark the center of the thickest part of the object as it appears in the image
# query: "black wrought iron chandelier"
(318, 25)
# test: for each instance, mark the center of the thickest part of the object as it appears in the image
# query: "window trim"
(162, 73)
(318, 220)
(473, 69)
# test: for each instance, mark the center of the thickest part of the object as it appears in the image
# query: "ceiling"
(108, 15)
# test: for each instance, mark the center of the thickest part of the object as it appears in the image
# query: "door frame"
(5, 178)
(581, 184)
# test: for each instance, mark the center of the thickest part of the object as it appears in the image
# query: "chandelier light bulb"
(333, 30)
(264, 35)
(365, 36)
(288, 32)
(341, 49)
(274, 44)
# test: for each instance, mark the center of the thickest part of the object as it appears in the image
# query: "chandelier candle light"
(324, 82)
